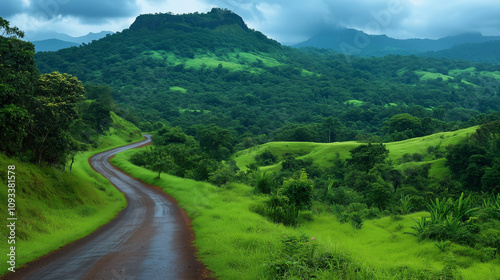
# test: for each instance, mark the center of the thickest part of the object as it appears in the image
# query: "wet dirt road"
(150, 239)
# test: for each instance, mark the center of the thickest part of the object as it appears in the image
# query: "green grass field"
(323, 154)
(233, 61)
(55, 208)
(237, 243)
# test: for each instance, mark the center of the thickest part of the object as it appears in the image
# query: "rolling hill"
(487, 52)
(324, 154)
(198, 69)
(356, 42)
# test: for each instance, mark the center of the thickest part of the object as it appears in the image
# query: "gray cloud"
(10, 8)
(88, 9)
(396, 18)
(286, 21)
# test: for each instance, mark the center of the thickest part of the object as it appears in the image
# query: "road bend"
(150, 239)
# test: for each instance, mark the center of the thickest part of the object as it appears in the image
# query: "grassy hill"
(323, 154)
(194, 70)
(55, 208)
(237, 243)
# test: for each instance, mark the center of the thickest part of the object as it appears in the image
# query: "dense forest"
(196, 70)
(206, 86)
(46, 118)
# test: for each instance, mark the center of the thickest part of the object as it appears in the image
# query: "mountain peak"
(213, 19)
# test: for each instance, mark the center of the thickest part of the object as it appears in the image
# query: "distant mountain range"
(355, 42)
(53, 41)
(488, 52)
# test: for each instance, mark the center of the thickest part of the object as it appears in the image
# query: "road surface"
(150, 239)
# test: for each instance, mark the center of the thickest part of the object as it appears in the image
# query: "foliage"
(404, 126)
(266, 158)
(263, 181)
(298, 191)
(43, 118)
(365, 157)
(8, 31)
(210, 68)
(475, 161)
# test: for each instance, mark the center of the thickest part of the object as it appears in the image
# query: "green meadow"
(324, 154)
(55, 208)
(236, 243)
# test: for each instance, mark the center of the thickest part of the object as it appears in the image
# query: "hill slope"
(197, 69)
(487, 52)
(54, 207)
(356, 42)
(324, 154)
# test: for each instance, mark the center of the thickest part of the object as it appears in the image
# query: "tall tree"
(55, 101)
(364, 157)
(18, 77)
(7, 31)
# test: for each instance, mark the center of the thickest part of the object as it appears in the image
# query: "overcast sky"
(290, 21)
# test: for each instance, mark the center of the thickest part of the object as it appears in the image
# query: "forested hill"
(195, 70)
(479, 52)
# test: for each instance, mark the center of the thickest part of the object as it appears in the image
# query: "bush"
(279, 209)
(266, 158)
(356, 220)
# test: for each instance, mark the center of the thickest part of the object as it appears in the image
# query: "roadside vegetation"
(292, 164)
(238, 241)
(340, 210)
(50, 125)
(56, 207)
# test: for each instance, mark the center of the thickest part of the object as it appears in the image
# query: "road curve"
(150, 239)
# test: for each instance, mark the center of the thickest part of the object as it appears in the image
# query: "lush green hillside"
(53, 207)
(237, 242)
(324, 154)
(355, 42)
(478, 52)
(194, 70)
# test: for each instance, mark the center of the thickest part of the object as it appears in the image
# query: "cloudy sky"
(288, 21)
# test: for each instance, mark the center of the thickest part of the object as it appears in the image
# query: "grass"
(55, 208)
(355, 102)
(178, 89)
(236, 243)
(234, 61)
(426, 75)
(323, 154)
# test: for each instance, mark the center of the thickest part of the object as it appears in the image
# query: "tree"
(298, 191)
(54, 110)
(7, 31)
(458, 156)
(364, 157)
(217, 142)
(97, 116)
(18, 77)
(404, 126)
(379, 195)
(14, 122)
(491, 180)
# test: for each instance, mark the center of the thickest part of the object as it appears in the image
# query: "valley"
(268, 161)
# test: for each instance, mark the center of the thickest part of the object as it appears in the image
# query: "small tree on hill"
(364, 157)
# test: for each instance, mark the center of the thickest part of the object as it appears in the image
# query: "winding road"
(150, 239)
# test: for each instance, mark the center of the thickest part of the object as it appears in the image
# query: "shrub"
(280, 210)
(266, 158)
(356, 220)
(263, 182)
(298, 192)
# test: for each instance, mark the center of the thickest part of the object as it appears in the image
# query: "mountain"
(53, 41)
(52, 45)
(355, 42)
(488, 52)
(195, 70)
